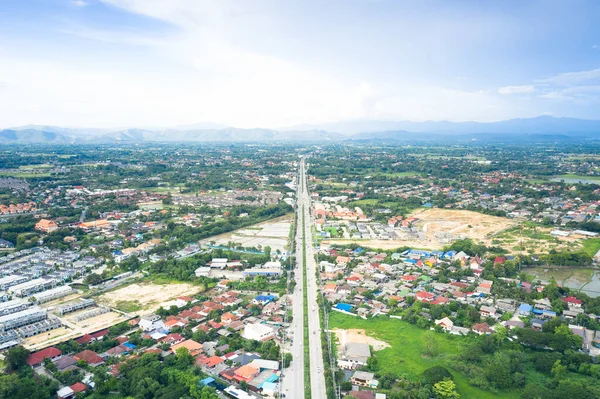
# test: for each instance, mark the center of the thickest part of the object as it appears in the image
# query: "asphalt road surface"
(293, 382)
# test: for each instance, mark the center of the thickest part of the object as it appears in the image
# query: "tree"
(16, 358)
(559, 370)
(435, 374)
(431, 348)
(184, 358)
(268, 252)
(145, 388)
(500, 334)
(445, 389)
(287, 360)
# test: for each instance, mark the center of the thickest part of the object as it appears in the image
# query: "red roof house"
(37, 358)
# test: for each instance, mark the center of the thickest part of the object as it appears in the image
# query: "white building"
(258, 332)
(151, 322)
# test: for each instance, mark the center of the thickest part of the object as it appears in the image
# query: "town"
(254, 276)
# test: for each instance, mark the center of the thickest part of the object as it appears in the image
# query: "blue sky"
(258, 63)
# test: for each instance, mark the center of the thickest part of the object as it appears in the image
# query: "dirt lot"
(148, 295)
(94, 323)
(72, 329)
(358, 336)
(437, 228)
(456, 223)
(273, 233)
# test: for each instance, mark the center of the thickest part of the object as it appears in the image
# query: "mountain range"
(543, 127)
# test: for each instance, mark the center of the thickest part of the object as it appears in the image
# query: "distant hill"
(542, 128)
(30, 136)
(538, 125)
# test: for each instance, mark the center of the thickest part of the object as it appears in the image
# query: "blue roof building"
(205, 382)
(265, 298)
(525, 309)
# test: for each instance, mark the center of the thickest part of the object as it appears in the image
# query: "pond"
(585, 279)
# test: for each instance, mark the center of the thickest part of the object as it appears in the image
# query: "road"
(295, 375)
(293, 380)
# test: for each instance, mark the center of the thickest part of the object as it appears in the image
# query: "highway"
(294, 388)
(293, 380)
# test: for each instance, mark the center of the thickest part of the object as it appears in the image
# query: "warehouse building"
(9, 281)
(19, 319)
(33, 286)
(14, 306)
(39, 327)
(51, 294)
(74, 306)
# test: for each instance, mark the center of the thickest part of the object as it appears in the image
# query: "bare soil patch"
(359, 336)
(150, 296)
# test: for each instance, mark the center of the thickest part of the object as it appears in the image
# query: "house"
(364, 379)
(446, 324)
(263, 299)
(246, 373)
(270, 309)
(47, 226)
(193, 347)
(354, 355)
(78, 387)
(572, 302)
(481, 329)
(424, 296)
(173, 339)
(524, 309)
(258, 332)
(37, 358)
(537, 324)
(330, 288)
(512, 324)
(65, 363)
(151, 322)
(228, 318)
(175, 322)
(65, 393)
(212, 361)
(90, 357)
(117, 351)
(487, 311)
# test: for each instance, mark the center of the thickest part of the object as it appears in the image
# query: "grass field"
(401, 174)
(363, 202)
(578, 177)
(591, 246)
(405, 357)
(128, 306)
(23, 175)
(36, 166)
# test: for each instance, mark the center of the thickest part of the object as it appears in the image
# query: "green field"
(591, 246)
(578, 177)
(36, 166)
(363, 202)
(405, 357)
(23, 175)
(400, 174)
(129, 306)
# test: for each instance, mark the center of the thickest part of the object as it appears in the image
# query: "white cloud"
(516, 89)
(79, 3)
(572, 78)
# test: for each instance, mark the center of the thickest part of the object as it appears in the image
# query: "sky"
(282, 63)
